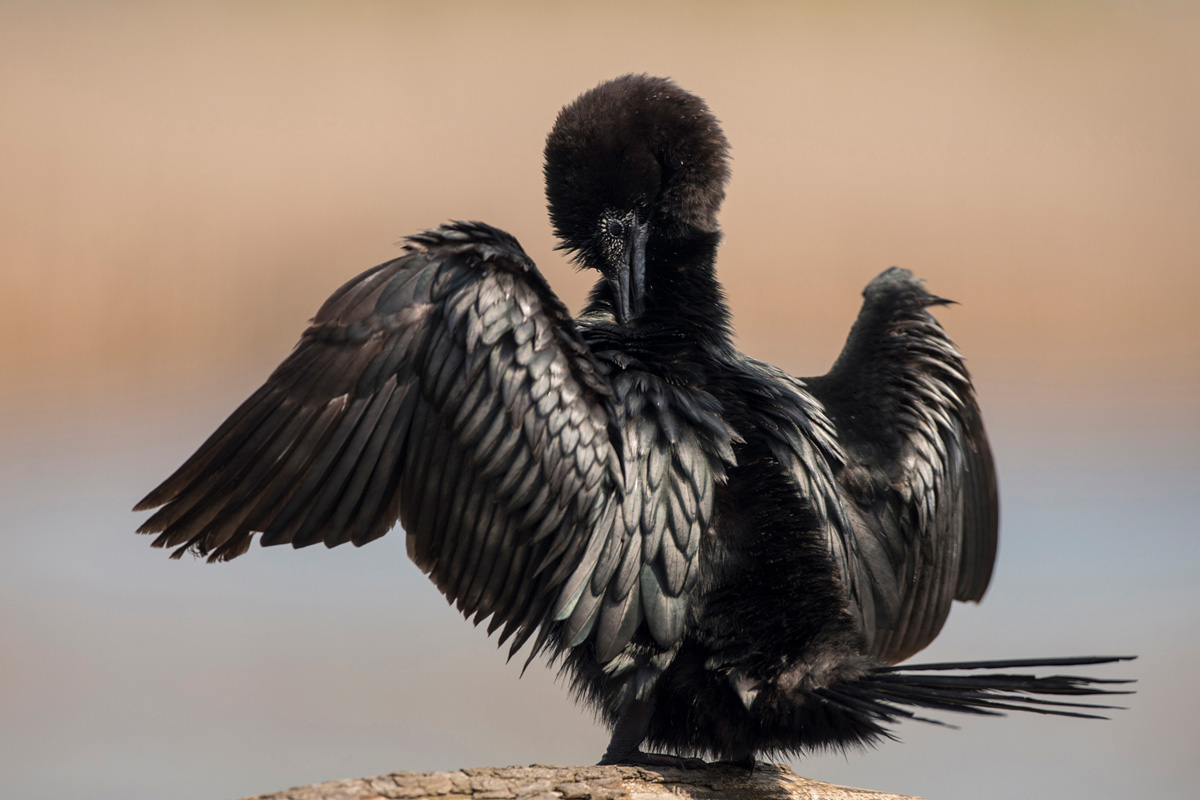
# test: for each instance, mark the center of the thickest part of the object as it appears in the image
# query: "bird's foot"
(745, 762)
(640, 759)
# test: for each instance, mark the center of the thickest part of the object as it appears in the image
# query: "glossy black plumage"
(726, 559)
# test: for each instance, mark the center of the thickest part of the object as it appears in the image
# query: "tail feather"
(882, 711)
(1017, 663)
(883, 693)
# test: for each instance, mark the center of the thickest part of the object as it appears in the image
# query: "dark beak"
(628, 279)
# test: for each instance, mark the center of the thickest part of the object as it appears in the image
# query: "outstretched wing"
(923, 512)
(451, 390)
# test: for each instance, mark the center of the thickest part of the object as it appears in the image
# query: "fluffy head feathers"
(640, 144)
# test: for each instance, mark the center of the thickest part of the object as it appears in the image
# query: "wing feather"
(450, 390)
(917, 471)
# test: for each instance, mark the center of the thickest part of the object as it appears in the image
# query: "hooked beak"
(628, 279)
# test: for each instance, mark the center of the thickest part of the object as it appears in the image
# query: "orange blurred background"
(181, 186)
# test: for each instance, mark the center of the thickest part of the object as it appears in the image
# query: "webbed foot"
(745, 762)
(638, 758)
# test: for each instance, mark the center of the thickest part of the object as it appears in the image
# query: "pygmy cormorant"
(726, 560)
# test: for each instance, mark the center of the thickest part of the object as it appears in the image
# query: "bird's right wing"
(448, 388)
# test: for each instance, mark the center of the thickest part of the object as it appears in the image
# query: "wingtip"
(153, 500)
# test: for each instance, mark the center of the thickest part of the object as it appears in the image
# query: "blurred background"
(181, 187)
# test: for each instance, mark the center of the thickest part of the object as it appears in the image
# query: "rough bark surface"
(537, 782)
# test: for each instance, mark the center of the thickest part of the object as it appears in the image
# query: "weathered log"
(538, 782)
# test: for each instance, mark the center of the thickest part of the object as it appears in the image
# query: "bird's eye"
(614, 228)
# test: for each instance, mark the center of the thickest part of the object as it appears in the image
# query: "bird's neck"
(684, 303)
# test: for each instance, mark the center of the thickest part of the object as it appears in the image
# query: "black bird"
(726, 560)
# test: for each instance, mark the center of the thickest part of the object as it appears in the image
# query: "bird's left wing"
(918, 477)
(448, 388)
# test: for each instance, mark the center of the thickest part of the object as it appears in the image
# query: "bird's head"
(635, 163)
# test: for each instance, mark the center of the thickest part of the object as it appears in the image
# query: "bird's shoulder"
(467, 275)
(770, 406)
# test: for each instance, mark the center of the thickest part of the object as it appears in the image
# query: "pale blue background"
(127, 675)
